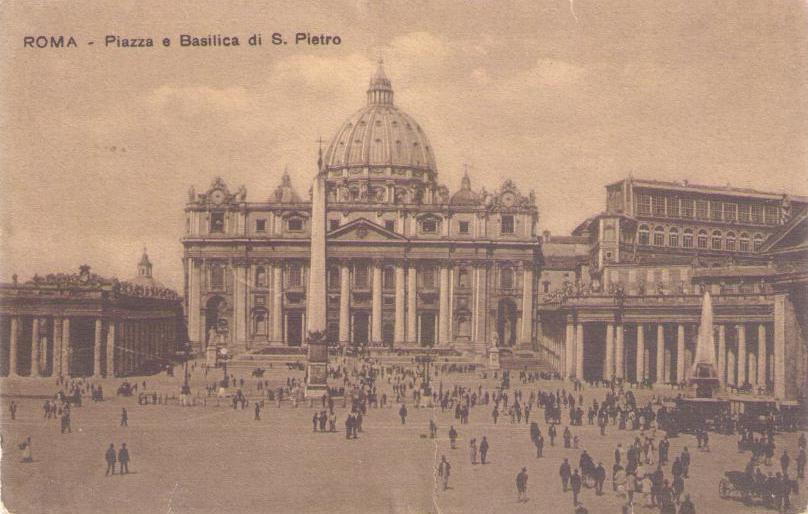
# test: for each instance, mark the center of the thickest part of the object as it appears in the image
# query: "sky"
(99, 146)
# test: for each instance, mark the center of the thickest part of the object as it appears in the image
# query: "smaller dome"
(465, 196)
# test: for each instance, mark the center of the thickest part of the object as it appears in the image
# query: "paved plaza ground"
(214, 459)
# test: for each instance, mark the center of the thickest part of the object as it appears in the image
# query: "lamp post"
(186, 386)
(223, 355)
(425, 361)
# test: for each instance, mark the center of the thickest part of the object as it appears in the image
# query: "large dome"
(381, 136)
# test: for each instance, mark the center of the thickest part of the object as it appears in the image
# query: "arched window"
(506, 278)
(730, 242)
(758, 242)
(659, 236)
(702, 240)
(743, 242)
(673, 237)
(260, 277)
(643, 235)
(716, 240)
(687, 238)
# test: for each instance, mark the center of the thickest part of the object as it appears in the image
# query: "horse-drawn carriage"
(742, 485)
(258, 372)
(124, 389)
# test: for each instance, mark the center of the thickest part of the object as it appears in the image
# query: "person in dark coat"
(111, 458)
(685, 460)
(785, 460)
(521, 486)
(123, 459)
(348, 426)
(402, 412)
(564, 473)
(124, 418)
(552, 433)
(600, 478)
(453, 437)
(575, 483)
(539, 446)
(801, 464)
(483, 450)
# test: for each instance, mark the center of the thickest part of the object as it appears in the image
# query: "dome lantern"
(380, 90)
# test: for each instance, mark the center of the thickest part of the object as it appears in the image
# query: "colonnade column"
(619, 352)
(35, 348)
(722, 354)
(569, 349)
(741, 330)
(344, 303)
(12, 350)
(443, 306)
(608, 369)
(398, 331)
(376, 306)
(277, 302)
(761, 356)
(97, 348)
(579, 351)
(65, 347)
(680, 353)
(660, 353)
(779, 356)
(412, 304)
(640, 360)
(111, 348)
(527, 303)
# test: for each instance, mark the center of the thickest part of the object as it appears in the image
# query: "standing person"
(123, 459)
(444, 468)
(66, 421)
(348, 426)
(452, 437)
(539, 446)
(575, 483)
(483, 450)
(402, 412)
(552, 433)
(631, 487)
(685, 460)
(785, 460)
(257, 411)
(13, 409)
(25, 446)
(521, 486)
(473, 451)
(124, 418)
(564, 473)
(433, 429)
(801, 464)
(110, 456)
(600, 478)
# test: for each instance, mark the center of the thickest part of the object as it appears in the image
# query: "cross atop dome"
(380, 90)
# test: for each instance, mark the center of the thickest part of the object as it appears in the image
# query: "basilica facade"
(409, 263)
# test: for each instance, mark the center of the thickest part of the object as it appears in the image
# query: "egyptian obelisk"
(703, 373)
(317, 367)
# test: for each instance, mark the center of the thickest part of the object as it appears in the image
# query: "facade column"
(779, 356)
(722, 354)
(761, 356)
(344, 304)
(111, 348)
(376, 305)
(660, 353)
(12, 350)
(640, 364)
(99, 326)
(527, 304)
(680, 353)
(608, 370)
(569, 349)
(398, 332)
(741, 330)
(481, 309)
(579, 351)
(66, 348)
(277, 303)
(412, 304)
(443, 306)
(619, 352)
(35, 347)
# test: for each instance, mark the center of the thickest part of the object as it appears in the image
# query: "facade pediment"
(363, 229)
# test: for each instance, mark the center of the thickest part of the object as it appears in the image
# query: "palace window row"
(661, 205)
(715, 240)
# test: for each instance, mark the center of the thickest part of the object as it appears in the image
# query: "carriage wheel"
(723, 488)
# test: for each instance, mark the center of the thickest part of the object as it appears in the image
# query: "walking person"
(25, 446)
(521, 486)
(452, 437)
(124, 418)
(257, 411)
(13, 409)
(575, 483)
(444, 468)
(564, 473)
(473, 451)
(111, 458)
(402, 412)
(801, 464)
(483, 450)
(785, 460)
(123, 459)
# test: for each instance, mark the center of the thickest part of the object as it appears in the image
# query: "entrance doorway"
(294, 328)
(361, 328)
(506, 322)
(428, 329)
(216, 323)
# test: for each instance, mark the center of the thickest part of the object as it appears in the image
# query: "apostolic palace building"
(411, 264)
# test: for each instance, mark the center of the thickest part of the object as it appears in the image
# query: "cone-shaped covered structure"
(703, 372)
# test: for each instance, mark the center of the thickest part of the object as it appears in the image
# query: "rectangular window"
(217, 276)
(507, 225)
(701, 209)
(389, 278)
(260, 299)
(332, 330)
(730, 212)
(545, 286)
(390, 225)
(687, 208)
(463, 227)
(217, 222)
(757, 213)
(659, 238)
(429, 226)
(772, 215)
(687, 240)
(743, 213)
(261, 225)
(463, 278)
(658, 204)
(295, 276)
(295, 224)
(673, 207)
(716, 213)
(333, 224)
(333, 278)
(428, 278)
(361, 276)
(673, 239)
(643, 203)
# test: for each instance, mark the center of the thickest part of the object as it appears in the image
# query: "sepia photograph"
(409, 257)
